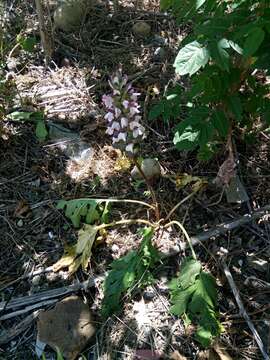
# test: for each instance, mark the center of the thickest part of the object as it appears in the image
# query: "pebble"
(115, 248)
(70, 15)
(150, 167)
(149, 295)
(159, 54)
(36, 280)
(257, 263)
(141, 29)
(20, 223)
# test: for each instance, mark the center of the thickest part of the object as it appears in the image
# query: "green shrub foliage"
(227, 47)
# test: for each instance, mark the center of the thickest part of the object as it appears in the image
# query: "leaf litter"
(27, 160)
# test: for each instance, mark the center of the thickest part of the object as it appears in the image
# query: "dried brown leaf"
(226, 171)
(177, 356)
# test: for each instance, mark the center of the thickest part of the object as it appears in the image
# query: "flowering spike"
(123, 114)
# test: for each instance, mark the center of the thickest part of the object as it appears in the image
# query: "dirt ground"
(34, 175)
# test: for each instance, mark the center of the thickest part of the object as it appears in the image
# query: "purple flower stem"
(150, 188)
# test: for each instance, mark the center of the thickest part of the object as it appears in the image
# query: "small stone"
(36, 280)
(67, 327)
(150, 168)
(159, 41)
(20, 223)
(141, 29)
(159, 54)
(149, 295)
(52, 276)
(115, 248)
(70, 14)
(257, 263)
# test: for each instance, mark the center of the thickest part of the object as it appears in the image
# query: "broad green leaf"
(180, 300)
(20, 116)
(165, 4)
(219, 54)
(78, 209)
(28, 43)
(189, 271)
(186, 138)
(253, 41)
(191, 58)
(197, 301)
(41, 131)
(220, 122)
(156, 111)
(235, 106)
(206, 133)
(133, 268)
(236, 47)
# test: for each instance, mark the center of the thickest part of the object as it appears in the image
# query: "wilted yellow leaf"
(86, 238)
(67, 259)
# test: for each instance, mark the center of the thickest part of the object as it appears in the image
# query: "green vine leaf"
(194, 295)
(191, 58)
(87, 210)
(128, 271)
(253, 41)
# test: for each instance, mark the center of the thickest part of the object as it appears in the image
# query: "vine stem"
(186, 235)
(126, 222)
(179, 204)
(152, 192)
(121, 200)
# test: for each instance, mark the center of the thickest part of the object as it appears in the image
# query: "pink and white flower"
(109, 116)
(115, 126)
(123, 114)
(133, 125)
(122, 136)
(134, 110)
(117, 112)
(124, 122)
(107, 101)
(125, 104)
(130, 148)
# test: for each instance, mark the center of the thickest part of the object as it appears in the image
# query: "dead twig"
(15, 304)
(228, 226)
(7, 335)
(243, 311)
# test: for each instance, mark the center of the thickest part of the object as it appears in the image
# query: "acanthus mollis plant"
(124, 123)
(123, 115)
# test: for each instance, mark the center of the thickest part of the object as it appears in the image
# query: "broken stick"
(243, 311)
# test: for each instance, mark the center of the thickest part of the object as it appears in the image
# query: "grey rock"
(258, 264)
(70, 14)
(141, 29)
(159, 41)
(159, 54)
(150, 167)
(149, 295)
(235, 192)
(36, 280)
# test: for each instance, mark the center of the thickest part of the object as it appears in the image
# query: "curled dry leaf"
(79, 254)
(177, 356)
(22, 209)
(148, 354)
(221, 352)
(67, 327)
(226, 171)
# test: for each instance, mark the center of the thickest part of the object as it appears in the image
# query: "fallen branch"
(228, 226)
(243, 311)
(15, 304)
(7, 335)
